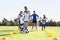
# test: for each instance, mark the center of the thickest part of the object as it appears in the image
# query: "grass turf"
(5, 32)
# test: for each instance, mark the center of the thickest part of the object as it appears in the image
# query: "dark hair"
(44, 16)
(25, 7)
(33, 11)
(21, 12)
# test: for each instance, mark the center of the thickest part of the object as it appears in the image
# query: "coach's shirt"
(34, 16)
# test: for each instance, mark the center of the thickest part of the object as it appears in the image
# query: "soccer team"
(24, 18)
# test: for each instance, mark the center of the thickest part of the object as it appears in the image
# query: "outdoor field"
(7, 33)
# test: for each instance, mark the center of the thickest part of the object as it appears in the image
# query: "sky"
(9, 9)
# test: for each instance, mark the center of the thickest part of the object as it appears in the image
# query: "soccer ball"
(25, 31)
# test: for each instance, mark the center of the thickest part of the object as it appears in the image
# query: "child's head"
(44, 16)
(25, 8)
(21, 12)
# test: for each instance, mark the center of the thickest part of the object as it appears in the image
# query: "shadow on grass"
(6, 30)
(4, 34)
(12, 33)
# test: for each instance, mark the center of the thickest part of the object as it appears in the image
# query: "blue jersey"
(34, 16)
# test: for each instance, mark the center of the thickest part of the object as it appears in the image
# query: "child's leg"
(42, 26)
(19, 25)
(25, 24)
(25, 27)
(22, 26)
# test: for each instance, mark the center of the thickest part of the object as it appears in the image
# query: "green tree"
(4, 22)
(15, 22)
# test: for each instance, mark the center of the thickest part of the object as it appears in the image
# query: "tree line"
(6, 22)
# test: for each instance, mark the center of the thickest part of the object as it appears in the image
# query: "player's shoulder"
(27, 11)
(18, 15)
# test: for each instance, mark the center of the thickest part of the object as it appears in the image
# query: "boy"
(44, 22)
(26, 18)
(20, 21)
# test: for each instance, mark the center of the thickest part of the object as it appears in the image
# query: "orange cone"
(55, 39)
(3, 38)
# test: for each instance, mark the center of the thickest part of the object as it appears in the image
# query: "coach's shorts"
(34, 21)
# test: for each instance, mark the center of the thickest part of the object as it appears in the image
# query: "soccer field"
(7, 33)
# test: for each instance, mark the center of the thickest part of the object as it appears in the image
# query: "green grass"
(32, 35)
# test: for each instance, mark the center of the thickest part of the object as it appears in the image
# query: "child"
(20, 21)
(44, 22)
(26, 17)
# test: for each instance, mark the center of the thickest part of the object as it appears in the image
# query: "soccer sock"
(25, 27)
(21, 29)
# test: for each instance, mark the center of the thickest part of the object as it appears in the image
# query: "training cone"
(4, 38)
(55, 39)
(11, 33)
(15, 31)
(46, 31)
(50, 34)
